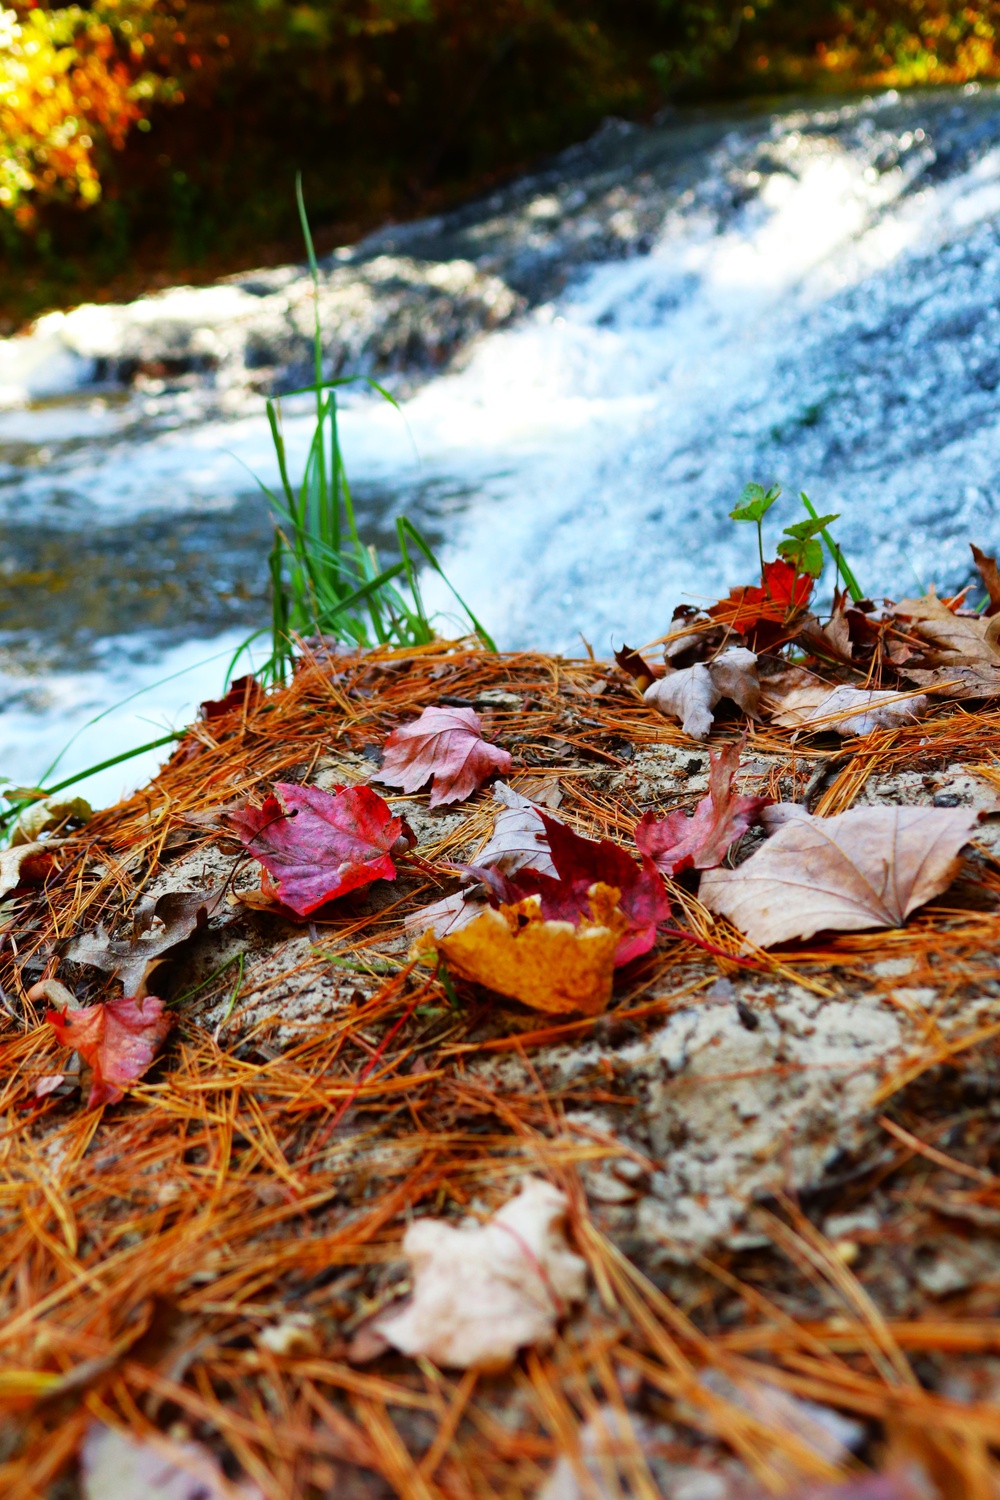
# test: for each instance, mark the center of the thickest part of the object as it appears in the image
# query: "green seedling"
(803, 549)
(755, 502)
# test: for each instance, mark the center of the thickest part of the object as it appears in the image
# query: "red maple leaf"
(117, 1041)
(677, 842)
(581, 863)
(319, 845)
(446, 744)
(760, 607)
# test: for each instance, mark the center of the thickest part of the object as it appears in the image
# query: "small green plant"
(803, 541)
(324, 578)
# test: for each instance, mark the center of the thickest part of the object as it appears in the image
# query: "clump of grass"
(324, 579)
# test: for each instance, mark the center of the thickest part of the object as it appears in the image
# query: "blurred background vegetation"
(147, 141)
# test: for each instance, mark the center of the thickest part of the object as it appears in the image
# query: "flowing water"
(591, 365)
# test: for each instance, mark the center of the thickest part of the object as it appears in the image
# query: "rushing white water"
(818, 302)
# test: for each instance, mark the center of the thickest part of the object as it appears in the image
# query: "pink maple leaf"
(318, 845)
(446, 744)
(118, 1041)
(678, 842)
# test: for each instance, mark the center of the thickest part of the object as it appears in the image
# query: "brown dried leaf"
(483, 1291)
(959, 683)
(23, 864)
(869, 867)
(959, 639)
(519, 837)
(691, 693)
(797, 700)
(990, 574)
(161, 926)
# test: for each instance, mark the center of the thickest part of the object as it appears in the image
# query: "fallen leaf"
(518, 838)
(114, 1466)
(25, 864)
(48, 813)
(782, 595)
(245, 693)
(580, 864)
(691, 693)
(118, 1041)
(319, 845)
(677, 842)
(959, 683)
(959, 639)
(607, 1448)
(445, 744)
(846, 710)
(869, 867)
(481, 1292)
(555, 966)
(990, 574)
(160, 926)
(448, 915)
(635, 667)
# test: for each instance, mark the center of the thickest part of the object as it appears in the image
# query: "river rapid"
(590, 365)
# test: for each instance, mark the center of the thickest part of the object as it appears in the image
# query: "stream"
(590, 364)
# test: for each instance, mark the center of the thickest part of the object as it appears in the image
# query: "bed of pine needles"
(264, 1170)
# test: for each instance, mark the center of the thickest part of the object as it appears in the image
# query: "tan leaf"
(960, 639)
(483, 1291)
(448, 915)
(23, 864)
(797, 700)
(518, 839)
(551, 966)
(869, 867)
(990, 574)
(48, 813)
(691, 693)
(117, 1467)
(960, 683)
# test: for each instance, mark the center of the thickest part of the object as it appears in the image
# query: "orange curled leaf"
(118, 1041)
(551, 966)
(445, 744)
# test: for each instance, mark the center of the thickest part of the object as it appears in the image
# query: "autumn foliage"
(108, 106)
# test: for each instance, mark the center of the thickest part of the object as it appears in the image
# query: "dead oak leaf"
(691, 693)
(869, 867)
(797, 699)
(986, 566)
(481, 1292)
(677, 842)
(960, 640)
(159, 927)
(315, 845)
(118, 1041)
(960, 684)
(446, 747)
(554, 966)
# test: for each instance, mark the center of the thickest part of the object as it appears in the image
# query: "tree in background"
(165, 134)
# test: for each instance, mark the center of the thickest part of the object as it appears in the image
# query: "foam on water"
(823, 308)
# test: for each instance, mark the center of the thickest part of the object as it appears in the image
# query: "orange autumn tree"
(72, 81)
